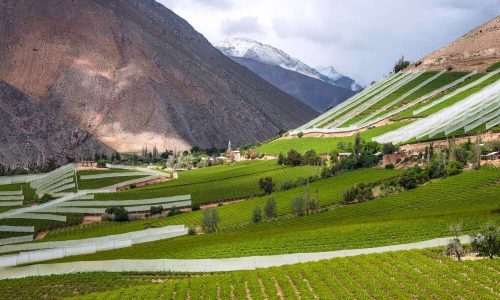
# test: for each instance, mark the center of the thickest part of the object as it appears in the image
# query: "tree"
(282, 159)
(307, 199)
(401, 64)
(267, 185)
(486, 242)
(294, 158)
(357, 147)
(155, 210)
(311, 158)
(454, 247)
(257, 215)
(210, 220)
(270, 210)
(298, 206)
(120, 214)
(454, 168)
(389, 148)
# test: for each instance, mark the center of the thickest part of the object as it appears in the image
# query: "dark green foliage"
(174, 211)
(401, 64)
(119, 214)
(435, 169)
(412, 177)
(311, 158)
(195, 207)
(270, 209)
(359, 193)
(101, 163)
(267, 185)
(282, 159)
(487, 242)
(294, 158)
(191, 231)
(493, 67)
(155, 210)
(454, 168)
(257, 215)
(299, 206)
(300, 134)
(210, 220)
(389, 166)
(389, 148)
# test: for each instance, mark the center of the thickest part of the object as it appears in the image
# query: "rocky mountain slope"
(313, 92)
(133, 73)
(475, 50)
(246, 48)
(30, 129)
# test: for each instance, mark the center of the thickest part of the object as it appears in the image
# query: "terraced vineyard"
(398, 275)
(231, 182)
(419, 214)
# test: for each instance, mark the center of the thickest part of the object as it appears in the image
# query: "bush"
(282, 159)
(389, 166)
(101, 163)
(294, 158)
(210, 220)
(300, 134)
(195, 207)
(454, 168)
(191, 231)
(487, 241)
(118, 214)
(45, 198)
(270, 210)
(298, 206)
(267, 185)
(256, 215)
(155, 210)
(389, 148)
(174, 210)
(401, 64)
(359, 193)
(412, 177)
(435, 170)
(311, 158)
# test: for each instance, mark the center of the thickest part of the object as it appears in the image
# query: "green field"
(218, 184)
(235, 214)
(322, 145)
(416, 274)
(415, 215)
(104, 182)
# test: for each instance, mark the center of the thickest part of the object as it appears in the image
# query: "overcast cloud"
(360, 38)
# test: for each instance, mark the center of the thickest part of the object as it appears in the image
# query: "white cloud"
(360, 38)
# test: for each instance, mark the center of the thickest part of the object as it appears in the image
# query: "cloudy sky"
(360, 38)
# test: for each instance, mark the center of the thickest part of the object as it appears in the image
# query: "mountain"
(133, 73)
(30, 129)
(475, 50)
(316, 93)
(339, 79)
(246, 48)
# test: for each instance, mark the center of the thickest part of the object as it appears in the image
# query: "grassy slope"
(104, 182)
(206, 187)
(323, 145)
(399, 275)
(236, 214)
(419, 214)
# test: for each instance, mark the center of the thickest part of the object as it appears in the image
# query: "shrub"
(389, 166)
(287, 185)
(294, 158)
(267, 185)
(45, 198)
(300, 134)
(298, 206)
(195, 207)
(487, 242)
(270, 210)
(119, 214)
(174, 210)
(210, 220)
(401, 64)
(454, 168)
(454, 247)
(435, 170)
(257, 215)
(191, 231)
(359, 193)
(101, 163)
(412, 177)
(389, 148)
(155, 210)
(282, 159)
(311, 158)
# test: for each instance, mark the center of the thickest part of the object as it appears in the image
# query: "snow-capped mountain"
(331, 73)
(246, 48)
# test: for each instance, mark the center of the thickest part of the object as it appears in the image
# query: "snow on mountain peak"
(247, 48)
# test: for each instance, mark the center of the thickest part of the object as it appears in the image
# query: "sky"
(359, 38)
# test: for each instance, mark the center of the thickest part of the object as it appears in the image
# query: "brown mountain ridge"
(133, 73)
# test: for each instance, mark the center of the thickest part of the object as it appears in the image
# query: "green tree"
(486, 242)
(298, 206)
(401, 64)
(311, 158)
(357, 147)
(454, 168)
(257, 215)
(210, 220)
(294, 158)
(389, 148)
(270, 210)
(267, 185)
(454, 247)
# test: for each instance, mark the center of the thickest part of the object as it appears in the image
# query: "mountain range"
(125, 73)
(320, 88)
